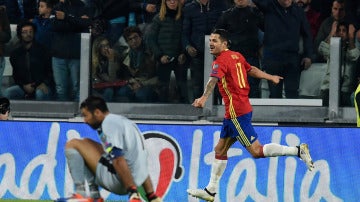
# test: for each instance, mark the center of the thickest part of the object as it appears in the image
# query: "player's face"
(216, 45)
(5, 116)
(90, 118)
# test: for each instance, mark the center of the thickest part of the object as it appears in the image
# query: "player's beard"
(95, 125)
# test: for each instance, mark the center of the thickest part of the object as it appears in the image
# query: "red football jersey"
(231, 69)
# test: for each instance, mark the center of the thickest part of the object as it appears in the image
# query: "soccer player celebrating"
(229, 72)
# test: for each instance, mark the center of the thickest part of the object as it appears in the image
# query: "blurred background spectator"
(5, 35)
(200, 18)
(141, 65)
(111, 18)
(330, 23)
(19, 10)
(349, 55)
(43, 34)
(70, 20)
(31, 65)
(285, 25)
(144, 11)
(105, 69)
(243, 23)
(313, 16)
(165, 42)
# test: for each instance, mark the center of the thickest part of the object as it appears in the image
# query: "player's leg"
(82, 157)
(218, 165)
(273, 150)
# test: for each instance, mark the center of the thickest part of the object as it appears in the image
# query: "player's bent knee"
(72, 143)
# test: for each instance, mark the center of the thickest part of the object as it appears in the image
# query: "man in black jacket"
(285, 23)
(243, 23)
(70, 20)
(31, 65)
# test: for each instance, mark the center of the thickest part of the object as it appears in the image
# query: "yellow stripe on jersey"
(240, 75)
(241, 137)
(357, 91)
(231, 105)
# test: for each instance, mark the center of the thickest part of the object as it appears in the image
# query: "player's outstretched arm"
(200, 102)
(257, 73)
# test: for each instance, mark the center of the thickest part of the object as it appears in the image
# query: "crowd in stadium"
(139, 47)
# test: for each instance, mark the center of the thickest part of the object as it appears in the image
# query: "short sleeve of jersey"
(114, 133)
(246, 65)
(218, 69)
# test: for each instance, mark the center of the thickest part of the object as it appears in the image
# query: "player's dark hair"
(4, 105)
(224, 35)
(94, 102)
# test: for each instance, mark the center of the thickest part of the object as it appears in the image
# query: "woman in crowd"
(105, 69)
(165, 41)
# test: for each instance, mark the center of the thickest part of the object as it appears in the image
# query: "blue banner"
(33, 165)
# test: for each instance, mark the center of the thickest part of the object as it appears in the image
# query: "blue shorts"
(239, 128)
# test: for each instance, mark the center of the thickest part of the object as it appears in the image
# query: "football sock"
(93, 187)
(76, 167)
(273, 149)
(217, 169)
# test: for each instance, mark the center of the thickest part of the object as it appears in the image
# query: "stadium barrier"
(32, 162)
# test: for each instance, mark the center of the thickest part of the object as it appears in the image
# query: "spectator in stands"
(5, 35)
(242, 23)
(4, 109)
(69, 22)
(19, 10)
(349, 55)
(111, 19)
(200, 18)
(165, 42)
(285, 23)
(141, 65)
(352, 10)
(323, 7)
(312, 16)
(105, 69)
(31, 65)
(145, 10)
(329, 25)
(43, 34)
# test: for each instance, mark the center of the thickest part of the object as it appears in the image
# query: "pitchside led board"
(32, 163)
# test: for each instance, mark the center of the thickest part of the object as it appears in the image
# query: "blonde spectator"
(105, 69)
(165, 42)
